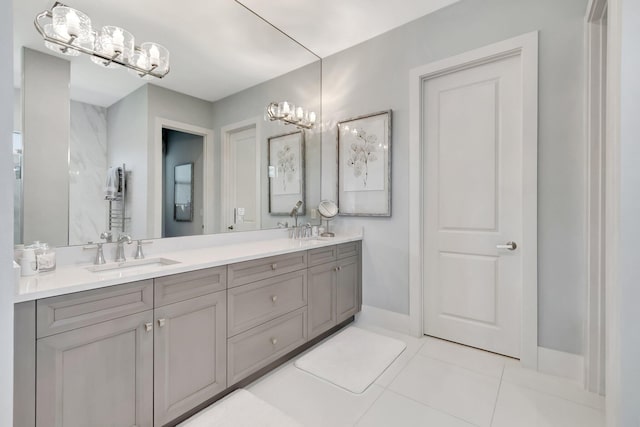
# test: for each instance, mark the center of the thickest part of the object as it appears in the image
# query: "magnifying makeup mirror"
(328, 210)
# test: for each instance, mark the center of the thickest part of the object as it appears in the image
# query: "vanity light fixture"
(69, 32)
(292, 115)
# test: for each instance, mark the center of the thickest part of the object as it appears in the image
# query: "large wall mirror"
(77, 124)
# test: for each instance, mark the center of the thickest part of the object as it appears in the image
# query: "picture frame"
(286, 166)
(183, 192)
(364, 165)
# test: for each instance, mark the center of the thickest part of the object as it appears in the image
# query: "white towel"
(111, 184)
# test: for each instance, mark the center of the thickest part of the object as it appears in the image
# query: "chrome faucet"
(120, 247)
(107, 236)
(139, 253)
(294, 212)
(99, 259)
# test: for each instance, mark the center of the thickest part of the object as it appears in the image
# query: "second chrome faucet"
(120, 247)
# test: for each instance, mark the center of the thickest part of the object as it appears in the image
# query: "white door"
(472, 134)
(241, 177)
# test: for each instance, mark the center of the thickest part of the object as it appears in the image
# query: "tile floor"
(435, 383)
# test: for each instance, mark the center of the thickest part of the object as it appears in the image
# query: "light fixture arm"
(47, 14)
(273, 114)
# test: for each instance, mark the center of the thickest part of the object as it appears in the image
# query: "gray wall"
(127, 143)
(46, 147)
(373, 76)
(182, 148)
(6, 215)
(628, 272)
(168, 104)
(300, 86)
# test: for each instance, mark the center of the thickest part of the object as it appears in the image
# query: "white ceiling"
(217, 46)
(329, 26)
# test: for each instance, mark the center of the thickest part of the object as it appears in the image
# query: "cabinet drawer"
(67, 312)
(322, 255)
(346, 250)
(250, 271)
(256, 303)
(257, 347)
(184, 286)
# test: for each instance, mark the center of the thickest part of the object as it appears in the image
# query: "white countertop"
(75, 278)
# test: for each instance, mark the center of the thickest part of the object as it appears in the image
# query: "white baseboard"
(386, 319)
(561, 364)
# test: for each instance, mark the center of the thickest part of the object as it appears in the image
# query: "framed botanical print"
(364, 165)
(286, 173)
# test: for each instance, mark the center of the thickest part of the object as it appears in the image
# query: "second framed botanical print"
(286, 173)
(364, 165)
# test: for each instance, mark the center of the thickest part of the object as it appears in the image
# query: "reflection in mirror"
(78, 120)
(183, 192)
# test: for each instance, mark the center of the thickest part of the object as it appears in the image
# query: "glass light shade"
(140, 60)
(48, 30)
(71, 23)
(114, 42)
(158, 56)
(284, 108)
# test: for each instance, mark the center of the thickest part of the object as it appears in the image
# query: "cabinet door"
(99, 375)
(190, 354)
(348, 288)
(321, 284)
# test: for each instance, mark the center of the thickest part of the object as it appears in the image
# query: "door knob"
(510, 246)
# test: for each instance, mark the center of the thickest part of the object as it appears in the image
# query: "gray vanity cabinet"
(145, 353)
(98, 375)
(348, 288)
(334, 286)
(322, 296)
(190, 354)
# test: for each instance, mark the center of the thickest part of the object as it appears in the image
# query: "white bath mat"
(241, 409)
(353, 359)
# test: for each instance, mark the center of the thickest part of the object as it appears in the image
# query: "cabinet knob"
(274, 341)
(148, 327)
(274, 266)
(335, 268)
(274, 298)
(161, 322)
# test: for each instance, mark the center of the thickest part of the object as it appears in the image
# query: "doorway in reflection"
(182, 189)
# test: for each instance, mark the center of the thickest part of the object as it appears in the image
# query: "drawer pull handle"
(148, 327)
(274, 298)
(274, 266)
(161, 322)
(274, 341)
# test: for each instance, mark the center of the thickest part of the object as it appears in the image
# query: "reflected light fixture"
(292, 115)
(68, 31)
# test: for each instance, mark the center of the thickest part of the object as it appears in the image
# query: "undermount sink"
(136, 264)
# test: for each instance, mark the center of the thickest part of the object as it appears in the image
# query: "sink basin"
(134, 265)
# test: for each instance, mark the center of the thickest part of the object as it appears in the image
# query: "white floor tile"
(480, 361)
(312, 401)
(413, 346)
(556, 386)
(391, 409)
(449, 388)
(232, 412)
(523, 407)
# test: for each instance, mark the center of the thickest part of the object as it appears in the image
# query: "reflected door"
(241, 180)
(472, 130)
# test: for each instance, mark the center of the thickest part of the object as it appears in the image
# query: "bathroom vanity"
(152, 346)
